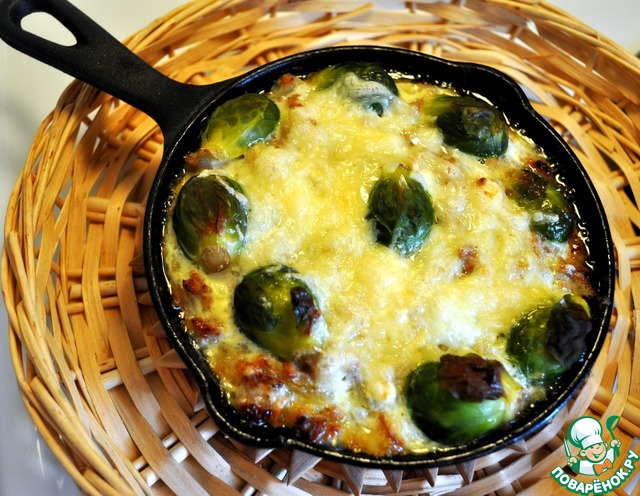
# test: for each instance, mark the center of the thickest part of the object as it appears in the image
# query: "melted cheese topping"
(479, 271)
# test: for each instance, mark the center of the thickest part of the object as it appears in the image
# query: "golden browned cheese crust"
(308, 185)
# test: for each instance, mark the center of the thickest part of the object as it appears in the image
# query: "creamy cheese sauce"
(308, 188)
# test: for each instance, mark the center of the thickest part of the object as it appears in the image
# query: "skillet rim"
(469, 77)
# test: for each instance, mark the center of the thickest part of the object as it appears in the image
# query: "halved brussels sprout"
(548, 340)
(402, 213)
(276, 309)
(460, 398)
(470, 125)
(236, 125)
(365, 83)
(210, 220)
(550, 212)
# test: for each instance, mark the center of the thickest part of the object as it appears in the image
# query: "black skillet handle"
(99, 59)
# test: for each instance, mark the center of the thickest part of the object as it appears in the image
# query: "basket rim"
(17, 277)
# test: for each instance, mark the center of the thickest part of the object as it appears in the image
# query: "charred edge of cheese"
(308, 187)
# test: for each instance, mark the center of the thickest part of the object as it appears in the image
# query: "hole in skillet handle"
(506, 95)
(47, 27)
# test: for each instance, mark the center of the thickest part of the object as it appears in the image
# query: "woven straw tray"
(98, 377)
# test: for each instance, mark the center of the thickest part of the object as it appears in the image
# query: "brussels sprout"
(550, 339)
(552, 219)
(526, 187)
(365, 83)
(276, 309)
(210, 220)
(238, 124)
(401, 210)
(460, 398)
(551, 216)
(470, 124)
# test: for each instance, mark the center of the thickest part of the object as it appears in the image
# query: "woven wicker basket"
(96, 373)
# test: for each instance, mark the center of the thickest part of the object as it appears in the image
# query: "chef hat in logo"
(585, 432)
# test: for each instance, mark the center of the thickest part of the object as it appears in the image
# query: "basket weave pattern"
(97, 375)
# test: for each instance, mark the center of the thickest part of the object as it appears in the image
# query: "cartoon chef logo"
(595, 456)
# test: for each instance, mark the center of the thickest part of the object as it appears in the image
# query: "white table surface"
(28, 92)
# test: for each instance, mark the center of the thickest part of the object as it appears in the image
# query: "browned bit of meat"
(488, 186)
(471, 377)
(195, 284)
(290, 370)
(288, 80)
(293, 101)
(469, 257)
(258, 372)
(318, 428)
(204, 328)
(308, 364)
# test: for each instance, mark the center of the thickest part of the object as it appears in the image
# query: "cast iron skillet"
(181, 109)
